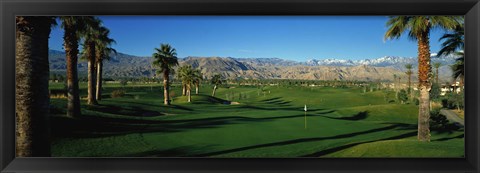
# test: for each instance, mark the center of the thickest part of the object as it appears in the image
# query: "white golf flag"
(305, 108)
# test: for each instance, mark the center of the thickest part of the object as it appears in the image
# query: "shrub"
(402, 96)
(117, 93)
(123, 82)
(453, 101)
(437, 120)
(435, 92)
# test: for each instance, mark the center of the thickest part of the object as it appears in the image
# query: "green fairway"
(245, 121)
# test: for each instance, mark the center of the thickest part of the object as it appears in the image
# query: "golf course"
(244, 121)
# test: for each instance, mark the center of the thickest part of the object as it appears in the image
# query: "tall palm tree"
(74, 27)
(31, 85)
(418, 28)
(165, 58)
(437, 66)
(409, 73)
(103, 52)
(198, 77)
(91, 36)
(216, 80)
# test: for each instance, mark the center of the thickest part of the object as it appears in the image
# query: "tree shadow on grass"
(270, 99)
(97, 126)
(296, 141)
(156, 106)
(183, 151)
(300, 109)
(277, 101)
(335, 149)
(133, 111)
(326, 112)
(174, 152)
(449, 138)
(359, 116)
(94, 126)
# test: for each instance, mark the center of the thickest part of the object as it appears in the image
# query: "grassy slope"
(341, 123)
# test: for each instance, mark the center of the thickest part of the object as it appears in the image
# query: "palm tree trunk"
(71, 50)
(436, 77)
(424, 69)
(410, 90)
(214, 89)
(99, 80)
(166, 97)
(184, 89)
(91, 74)
(189, 91)
(31, 94)
(196, 88)
(409, 83)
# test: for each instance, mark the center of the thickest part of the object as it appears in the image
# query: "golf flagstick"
(305, 109)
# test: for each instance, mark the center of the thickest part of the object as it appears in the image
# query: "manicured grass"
(267, 122)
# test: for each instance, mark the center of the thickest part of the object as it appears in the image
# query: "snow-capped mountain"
(331, 62)
(386, 61)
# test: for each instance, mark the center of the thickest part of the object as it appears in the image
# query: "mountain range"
(383, 68)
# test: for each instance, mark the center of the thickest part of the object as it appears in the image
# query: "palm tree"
(90, 41)
(409, 73)
(74, 27)
(187, 76)
(394, 82)
(198, 76)
(436, 66)
(166, 59)
(399, 82)
(454, 43)
(418, 28)
(459, 69)
(216, 80)
(103, 52)
(181, 70)
(31, 85)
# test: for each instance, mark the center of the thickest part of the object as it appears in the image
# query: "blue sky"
(289, 37)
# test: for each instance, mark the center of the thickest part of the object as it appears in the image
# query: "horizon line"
(433, 55)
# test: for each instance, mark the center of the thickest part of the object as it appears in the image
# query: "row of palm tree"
(96, 48)
(189, 77)
(32, 73)
(165, 58)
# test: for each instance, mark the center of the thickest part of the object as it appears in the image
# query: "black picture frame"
(9, 9)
